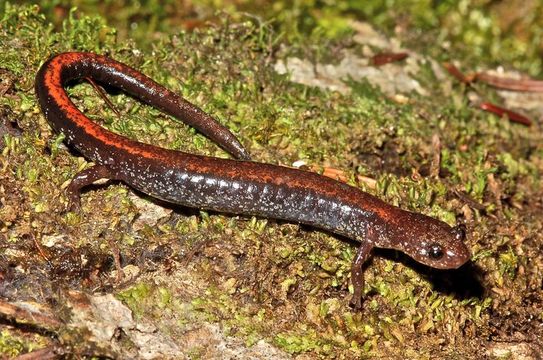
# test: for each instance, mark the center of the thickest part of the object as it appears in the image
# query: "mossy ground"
(261, 279)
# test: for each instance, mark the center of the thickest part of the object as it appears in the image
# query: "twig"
(20, 314)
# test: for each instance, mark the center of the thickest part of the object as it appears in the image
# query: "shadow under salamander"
(463, 283)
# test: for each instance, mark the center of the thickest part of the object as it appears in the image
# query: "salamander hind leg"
(357, 274)
(84, 178)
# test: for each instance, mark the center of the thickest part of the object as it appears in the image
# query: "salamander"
(235, 186)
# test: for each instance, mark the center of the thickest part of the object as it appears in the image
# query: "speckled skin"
(71, 66)
(232, 186)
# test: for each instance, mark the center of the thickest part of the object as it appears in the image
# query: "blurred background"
(505, 32)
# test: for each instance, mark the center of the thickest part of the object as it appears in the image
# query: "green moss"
(514, 168)
(508, 263)
(10, 346)
(13, 344)
(237, 321)
(298, 343)
(138, 297)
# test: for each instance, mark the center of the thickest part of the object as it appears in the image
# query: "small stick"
(387, 57)
(435, 165)
(498, 110)
(502, 83)
(454, 71)
(20, 314)
(509, 83)
(116, 259)
(48, 353)
(103, 95)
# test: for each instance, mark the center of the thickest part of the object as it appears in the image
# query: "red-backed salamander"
(231, 186)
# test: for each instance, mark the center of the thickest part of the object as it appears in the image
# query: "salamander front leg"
(84, 178)
(357, 275)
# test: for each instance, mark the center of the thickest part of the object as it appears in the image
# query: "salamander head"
(432, 242)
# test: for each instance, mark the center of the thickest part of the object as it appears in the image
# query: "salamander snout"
(432, 242)
(445, 249)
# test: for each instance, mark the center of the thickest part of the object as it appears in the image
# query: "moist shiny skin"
(232, 186)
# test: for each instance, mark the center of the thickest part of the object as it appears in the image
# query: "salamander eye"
(459, 232)
(435, 251)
